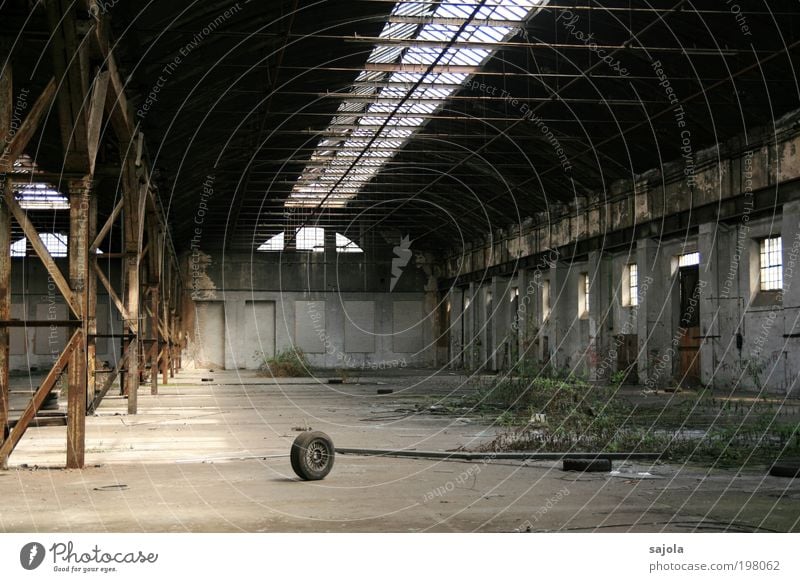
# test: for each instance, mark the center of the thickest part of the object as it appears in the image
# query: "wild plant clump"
(559, 413)
(287, 364)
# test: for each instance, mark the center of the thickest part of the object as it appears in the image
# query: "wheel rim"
(317, 455)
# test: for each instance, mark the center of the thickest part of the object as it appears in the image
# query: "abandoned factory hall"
(514, 266)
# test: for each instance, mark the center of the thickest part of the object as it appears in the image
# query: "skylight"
(40, 196)
(373, 122)
(33, 195)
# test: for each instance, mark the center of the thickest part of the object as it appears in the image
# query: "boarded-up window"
(359, 326)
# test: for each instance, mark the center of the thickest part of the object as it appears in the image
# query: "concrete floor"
(196, 458)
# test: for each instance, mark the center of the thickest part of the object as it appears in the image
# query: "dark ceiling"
(243, 108)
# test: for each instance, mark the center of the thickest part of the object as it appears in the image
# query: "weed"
(580, 417)
(287, 363)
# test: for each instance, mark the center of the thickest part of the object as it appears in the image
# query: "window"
(310, 238)
(345, 245)
(56, 245)
(273, 244)
(633, 284)
(545, 300)
(584, 296)
(689, 260)
(19, 248)
(586, 299)
(771, 263)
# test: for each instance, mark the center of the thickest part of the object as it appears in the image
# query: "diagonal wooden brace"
(39, 396)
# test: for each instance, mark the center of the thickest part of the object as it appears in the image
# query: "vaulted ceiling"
(235, 98)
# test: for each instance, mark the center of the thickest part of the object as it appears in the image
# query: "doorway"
(689, 327)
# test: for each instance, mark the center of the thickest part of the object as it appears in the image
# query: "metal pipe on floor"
(465, 456)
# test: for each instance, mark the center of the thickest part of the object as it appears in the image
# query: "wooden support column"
(5, 315)
(79, 196)
(133, 245)
(155, 349)
(154, 282)
(6, 98)
(91, 312)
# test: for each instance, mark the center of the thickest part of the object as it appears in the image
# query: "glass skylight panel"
(399, 30)
(385, 54)
(403, 100)
(40, 196)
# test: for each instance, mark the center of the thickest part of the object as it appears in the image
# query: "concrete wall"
(336, 307)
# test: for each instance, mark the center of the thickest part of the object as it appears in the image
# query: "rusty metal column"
(5, 311)
(91, 313)
(132, 250)
(79, 193)
(154, 348)
(6, 99)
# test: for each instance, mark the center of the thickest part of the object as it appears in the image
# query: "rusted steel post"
(5, 310)
(155, 349)
(91, 312)
(132, 236)
(79, 240)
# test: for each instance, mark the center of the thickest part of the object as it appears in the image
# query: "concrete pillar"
(653, 321)
(526, 311)
(563, 311)
(470, 321)
(790, 241)
(498, 324)
(718, 299)
(596, 312)
(456, 326)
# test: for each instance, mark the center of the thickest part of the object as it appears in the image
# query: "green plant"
(617, 378)
(754, 368)
(287, 363)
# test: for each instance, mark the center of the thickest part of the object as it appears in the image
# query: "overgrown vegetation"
(560, 413)
(287, 363)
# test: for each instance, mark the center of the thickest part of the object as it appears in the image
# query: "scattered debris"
(790, 469)
(637, 476)
(116, 487)
(587, 465)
